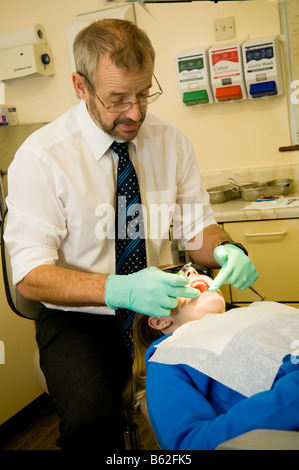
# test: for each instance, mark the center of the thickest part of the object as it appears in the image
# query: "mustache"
(124, 121)
(128, 120)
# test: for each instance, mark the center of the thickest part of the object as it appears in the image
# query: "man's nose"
(134, 112)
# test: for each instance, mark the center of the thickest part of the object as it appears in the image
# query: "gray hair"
(127, 45)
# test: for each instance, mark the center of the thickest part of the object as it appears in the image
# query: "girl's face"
(194, 309)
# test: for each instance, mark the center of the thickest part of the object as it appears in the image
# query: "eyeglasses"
(201, 269)
(123, 107)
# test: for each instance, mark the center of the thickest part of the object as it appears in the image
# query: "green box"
(195, 97)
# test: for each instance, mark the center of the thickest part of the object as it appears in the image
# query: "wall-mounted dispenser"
(25, 52)
(227, 73)
(193, 77)
(262, 67)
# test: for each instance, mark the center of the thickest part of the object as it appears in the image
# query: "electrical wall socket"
(224, 28)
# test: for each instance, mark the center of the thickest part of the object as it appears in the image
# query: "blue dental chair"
(259, 439)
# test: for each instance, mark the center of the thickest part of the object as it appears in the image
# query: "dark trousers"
(86, 366)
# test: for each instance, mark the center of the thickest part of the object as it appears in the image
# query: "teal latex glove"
(237, 269)
(149, 291)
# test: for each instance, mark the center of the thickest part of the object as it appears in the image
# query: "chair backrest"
(21, 306)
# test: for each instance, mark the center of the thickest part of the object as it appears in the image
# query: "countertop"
(233, 211)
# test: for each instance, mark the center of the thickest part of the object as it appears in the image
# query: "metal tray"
(223, 193)
(249, 191)
(277, 187)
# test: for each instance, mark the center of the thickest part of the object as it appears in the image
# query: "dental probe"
(256, 292)
(184, 269)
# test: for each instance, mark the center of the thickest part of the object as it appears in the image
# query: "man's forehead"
(107, 67)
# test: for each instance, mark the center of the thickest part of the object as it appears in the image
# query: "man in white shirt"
(60, 229)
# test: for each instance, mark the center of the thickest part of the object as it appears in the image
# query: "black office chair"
(29, 309)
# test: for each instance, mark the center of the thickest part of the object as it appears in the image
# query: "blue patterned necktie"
(130, 254)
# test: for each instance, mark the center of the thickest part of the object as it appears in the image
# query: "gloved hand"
(237, 269)
(149, 291)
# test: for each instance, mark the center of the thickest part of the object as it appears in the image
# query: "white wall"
(226, 135)
(38, 98)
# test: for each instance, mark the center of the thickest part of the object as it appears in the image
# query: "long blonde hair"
(143, 336)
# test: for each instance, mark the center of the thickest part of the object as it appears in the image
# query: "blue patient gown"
(189, 405)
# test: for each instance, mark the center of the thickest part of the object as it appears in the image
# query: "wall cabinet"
(18, 385)
(273, 247)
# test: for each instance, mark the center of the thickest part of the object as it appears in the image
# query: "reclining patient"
(211, 376)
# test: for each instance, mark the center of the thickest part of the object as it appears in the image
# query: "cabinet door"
(273, 247)
(18, 385)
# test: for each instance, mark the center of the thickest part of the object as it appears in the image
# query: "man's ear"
(80, 86)
(159, 323)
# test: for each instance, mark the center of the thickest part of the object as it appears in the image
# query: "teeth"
(200, 285)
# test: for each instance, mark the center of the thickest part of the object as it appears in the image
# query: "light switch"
(224, 28)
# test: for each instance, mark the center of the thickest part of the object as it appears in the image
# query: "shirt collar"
(97, 139)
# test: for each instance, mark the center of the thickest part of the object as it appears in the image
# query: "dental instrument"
(184, 269)
(187, 266)
(256, 292)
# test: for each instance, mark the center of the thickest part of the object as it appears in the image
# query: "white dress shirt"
(61, 195)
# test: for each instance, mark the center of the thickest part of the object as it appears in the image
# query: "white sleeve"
(35, 224)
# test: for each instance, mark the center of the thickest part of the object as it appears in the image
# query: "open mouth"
(201, 286)
(129, 127)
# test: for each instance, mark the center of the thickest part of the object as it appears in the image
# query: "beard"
(111, 129)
